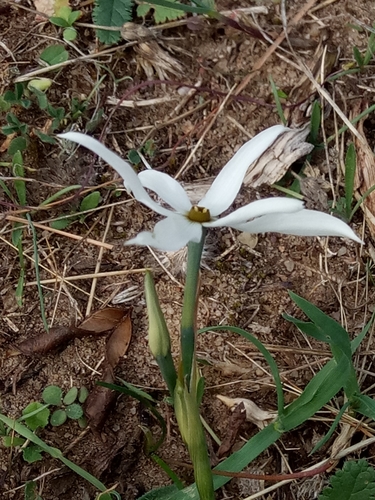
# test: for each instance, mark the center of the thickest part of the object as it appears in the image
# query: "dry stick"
(98, 263)
(62, 233)
(295, 20)
(90, 276)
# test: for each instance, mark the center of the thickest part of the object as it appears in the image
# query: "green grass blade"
(172, 475)
(361, 200)
(365, 405)
(276, 96)
(315, 123)
(350, 168)
(23, 431)
(332, 429)
(60, 193)
(266, 354)
(37, 275)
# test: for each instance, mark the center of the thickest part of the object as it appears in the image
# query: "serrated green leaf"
(54, 54)
(90, 201)
(161, 14)
(111, 13)
(32, 453)
(74, 411)
(39, 417)
(31, 491)
(58, 417)
(356, 481)
(70, 396)
(52, 395)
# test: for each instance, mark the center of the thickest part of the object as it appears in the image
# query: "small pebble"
(289, 265)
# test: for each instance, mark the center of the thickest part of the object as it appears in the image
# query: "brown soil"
(242, 285)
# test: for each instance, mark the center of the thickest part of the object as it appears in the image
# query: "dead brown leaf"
(236, 421)
(254, 414)
(101, 400)
(103, 320)
(98, 323)
(118, 342)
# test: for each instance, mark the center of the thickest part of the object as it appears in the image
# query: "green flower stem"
(191, 428)
(188, 329)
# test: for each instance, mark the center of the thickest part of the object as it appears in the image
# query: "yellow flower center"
(199, 214)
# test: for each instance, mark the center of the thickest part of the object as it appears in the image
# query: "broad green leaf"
(17, 144)
(90, 201)
(4, 105)
(59, 21)
(70, 34)
(356, 481)
(62, 223)
(52, 395)
(73, 16)
(12, 440)
(74, 411)
(44, 137)
(82, 394)
(32, 453)
(70, 396)
(58, 418)
(111, 13)
(165, 493)
(35, 415)
(54, 54)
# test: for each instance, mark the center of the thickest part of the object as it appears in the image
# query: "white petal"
(257, 209)
(170, 234)
(167, 188)
(302, 223)
(225, 187)
(122, 167)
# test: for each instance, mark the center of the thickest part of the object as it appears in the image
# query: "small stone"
(248, 239)
(341, 252)
(289, 265)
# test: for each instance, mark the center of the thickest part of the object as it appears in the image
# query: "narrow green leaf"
(54, 452)
(358, 57)
(276, 96)
(365, 405)
(315, 123)
(332, 429)
(350, 168)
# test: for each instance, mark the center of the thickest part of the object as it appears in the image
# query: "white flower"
(184, 223)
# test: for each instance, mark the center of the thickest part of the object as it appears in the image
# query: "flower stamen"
(199, 214)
